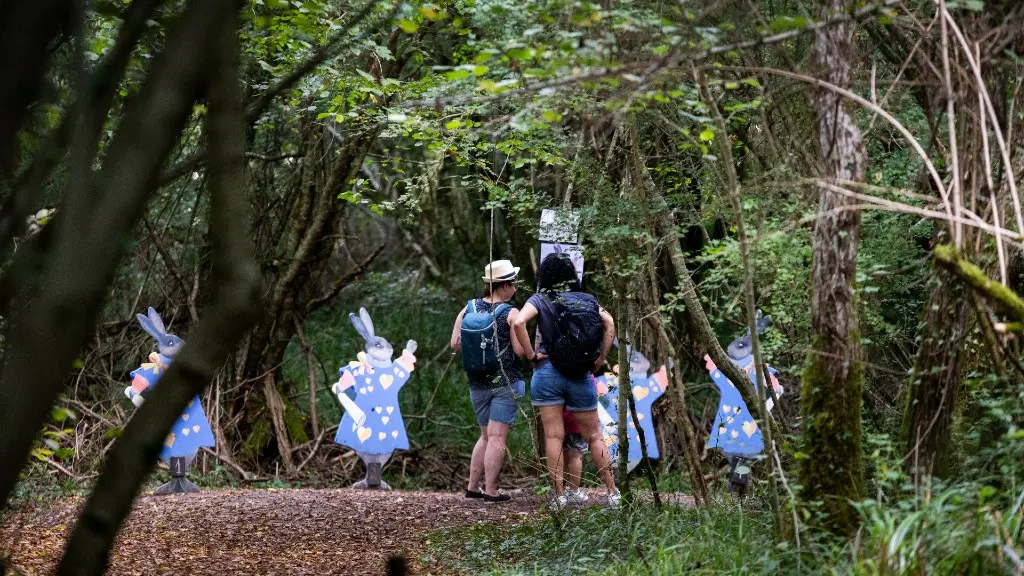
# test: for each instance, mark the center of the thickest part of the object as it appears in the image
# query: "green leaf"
(429, 12)
(707, 135)
(552, 116)
(266, 66)
(457, 74)
(453, 124)
(408, 26)
(787, 23)
(480, 70)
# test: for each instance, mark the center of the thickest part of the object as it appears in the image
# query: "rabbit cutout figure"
(191, 431)
(646, 390)
(735, 430)
(372, 424)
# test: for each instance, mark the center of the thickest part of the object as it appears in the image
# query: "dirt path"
(281, 532)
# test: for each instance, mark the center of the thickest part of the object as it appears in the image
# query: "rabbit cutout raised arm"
(372, 424)
(735, 430)
(646, 390)
(192, 430)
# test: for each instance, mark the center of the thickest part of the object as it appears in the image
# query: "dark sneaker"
(474, 494)
(498, 498)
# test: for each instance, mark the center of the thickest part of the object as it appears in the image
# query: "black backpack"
(575, 345)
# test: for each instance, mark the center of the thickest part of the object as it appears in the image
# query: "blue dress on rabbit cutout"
(646, 390)
(191, 431)
(377, 395)
(734, 430)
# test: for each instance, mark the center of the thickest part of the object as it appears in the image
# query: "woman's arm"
(517, 348)
(609, 336)
(457, 331)
(519, 329)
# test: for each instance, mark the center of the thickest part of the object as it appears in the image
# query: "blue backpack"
(479, 341)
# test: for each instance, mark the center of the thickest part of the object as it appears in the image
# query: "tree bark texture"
(832, 472)
(935, 380)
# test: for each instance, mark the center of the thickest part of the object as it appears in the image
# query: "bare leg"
(476, 462)
(590, 427)
(554, 434)
(495, 455)
(573, 469)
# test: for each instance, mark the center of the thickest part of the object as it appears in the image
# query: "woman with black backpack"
(574, 338)
(483, 331)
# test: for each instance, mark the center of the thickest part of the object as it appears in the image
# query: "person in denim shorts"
(552, 392)
(495, 400)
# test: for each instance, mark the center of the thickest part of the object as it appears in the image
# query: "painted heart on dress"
(386, 380)
(749, 428)
(382, 435)
(184, 417)
(640, 392)
(385, 419)
(369, 388)
(184, 431)
(726, 408)
(378, 409)
(390, 409)
(394, 433)
(196, 429)
(363, 433)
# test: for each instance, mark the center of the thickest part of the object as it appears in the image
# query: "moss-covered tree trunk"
(935, 381)
(832, 471)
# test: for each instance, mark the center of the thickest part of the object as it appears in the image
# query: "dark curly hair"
(557, 274)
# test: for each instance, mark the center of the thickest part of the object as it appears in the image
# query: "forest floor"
(262, 531)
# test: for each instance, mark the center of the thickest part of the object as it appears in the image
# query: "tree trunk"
(935, 381)
(625, 389)
(832, 472)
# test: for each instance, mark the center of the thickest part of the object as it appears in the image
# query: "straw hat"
(500, 271)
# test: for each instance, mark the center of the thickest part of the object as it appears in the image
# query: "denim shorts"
(549, 388)
(498, 404)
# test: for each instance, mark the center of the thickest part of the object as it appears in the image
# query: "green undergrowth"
(967, 529)
(676, 540)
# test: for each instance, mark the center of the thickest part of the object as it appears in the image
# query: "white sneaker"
(614, 499)
(577, 497)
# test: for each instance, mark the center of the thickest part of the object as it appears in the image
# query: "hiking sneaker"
(498, 498)
(474, 494)
(614, 499)
(577, 497)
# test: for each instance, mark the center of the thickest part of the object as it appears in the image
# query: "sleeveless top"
(511, 371)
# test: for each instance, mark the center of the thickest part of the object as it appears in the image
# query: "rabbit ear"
(147, 325)
(366, 321)
(158, 324)
(358, 324)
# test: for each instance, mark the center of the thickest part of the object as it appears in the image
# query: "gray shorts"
(575, 443)
(498, 404)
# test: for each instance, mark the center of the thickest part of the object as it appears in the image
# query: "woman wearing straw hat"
(483, 331)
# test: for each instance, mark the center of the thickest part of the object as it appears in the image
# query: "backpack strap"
(471, 306)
